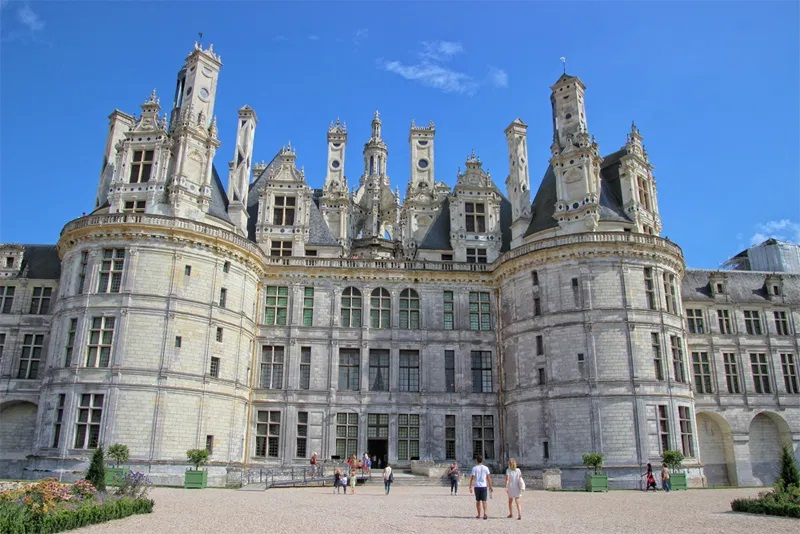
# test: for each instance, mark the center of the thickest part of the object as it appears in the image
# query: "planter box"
(596, 482)
(677, 481)
(195, 479)
(115, 476)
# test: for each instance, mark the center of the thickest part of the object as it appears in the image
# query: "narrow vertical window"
(479, 317)
(308, 306)
(539, 345)
(409, 370)
(670, 294)
(6, 298)
(82, 270)
(101, 337)
(301, 450)
(760, 368)
(226, 267)
(537, 306)
(450, 437)
(702, 372)
(59, 419)
(268, 433)
(450, 371)
(347, 433)
(380, 308)
(546, 450)
(87, 425)
(687, 440)
(408, 436)
(349, 369)
(677, 358)
(658, 360)
(187, 270)
(724, 320)
(219, 334)
(305, 368)
(110, 280)
(581, 365)
(409, 309)
(223, 297)
(790, 373)
(481, 371)
(210, 443)
(379, 370)
(32, 346)
(649, 288)
(214, 370)
(272, 359)
(483, 436)
(535, 278)
(542, 376)
(731, 372)
(448, 318)
(576, 293)
(178, 342)
(72, 331)
(663, 427)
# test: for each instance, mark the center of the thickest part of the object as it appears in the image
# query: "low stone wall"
(429, 469)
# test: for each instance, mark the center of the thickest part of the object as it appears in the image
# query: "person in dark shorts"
(481, 480)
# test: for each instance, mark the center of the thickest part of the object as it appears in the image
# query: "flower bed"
(783, 501)
(50, 506)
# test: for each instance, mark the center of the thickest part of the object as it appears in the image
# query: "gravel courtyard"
(431, 509)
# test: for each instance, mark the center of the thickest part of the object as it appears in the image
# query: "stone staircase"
(401, 478)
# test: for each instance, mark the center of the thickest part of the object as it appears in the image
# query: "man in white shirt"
(481, 479)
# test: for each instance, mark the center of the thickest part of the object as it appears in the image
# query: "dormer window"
(476, 255)
(281, 248)
(134, 206)
(283, 211)
(644, 193)
(141, 166)
(9, 262)
(476, 216)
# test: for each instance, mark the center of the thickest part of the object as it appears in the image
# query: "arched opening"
(768, 433)
(716, 449)
(17, 424)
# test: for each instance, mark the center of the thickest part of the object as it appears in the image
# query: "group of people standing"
(480, 483)
(650, 479)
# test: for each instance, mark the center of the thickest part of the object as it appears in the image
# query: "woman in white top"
(388, 478)
(513, 489)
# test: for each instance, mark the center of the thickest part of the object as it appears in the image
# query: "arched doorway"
(716, 449)
(17, 424)
(768, 433)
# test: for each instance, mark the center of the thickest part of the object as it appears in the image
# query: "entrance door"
(378, 439)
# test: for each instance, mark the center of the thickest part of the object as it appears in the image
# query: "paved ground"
(431, 509)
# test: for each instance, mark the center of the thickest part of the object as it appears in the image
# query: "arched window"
(351, 308)
(409, 309)
(380, 308)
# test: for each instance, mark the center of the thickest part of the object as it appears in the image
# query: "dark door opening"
(378, 450)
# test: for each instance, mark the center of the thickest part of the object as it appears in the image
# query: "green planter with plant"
(595, 481)
(673, 459)
(119, 453)
(196, 479)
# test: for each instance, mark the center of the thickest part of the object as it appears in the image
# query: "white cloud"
(440, 50)
(30, 19)
(313, 37)
(782, 230)
(360, 36)
(498, 77)
(432, 75)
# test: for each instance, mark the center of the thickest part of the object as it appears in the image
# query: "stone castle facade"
(269, 320)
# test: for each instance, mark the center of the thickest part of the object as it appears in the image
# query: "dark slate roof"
(318, 231)
(219, 198)
(438, 235)
(41, 262)
(740, 286)
(544, 203)
(505, 223)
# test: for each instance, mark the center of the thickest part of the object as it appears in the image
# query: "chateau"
(267, 320)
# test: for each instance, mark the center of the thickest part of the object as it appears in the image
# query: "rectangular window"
(283, 211)
(349, 369)
(214, 371)
(268, 433)
(752, 322)
(351, 308)
(223, 297)
(409, 370)
(447, 257)
(449, 318)
(178, 342)
(187, 270)
(82, 270)
(670, 294)
(781, 323)
(305, 367)
(475, 213)
(111, 270)
(226, 267)
(40, 301)
(450, 371)
(663, 427)
(760, 368)
(542, 376)
(308, 306)
(210, 443)
(702, 372)
(311, 253)
(481, 371)
(59, 419)
(379, 370)
(539, 345)
(694, 320)
(87, 426)
(479, 318)
(537, 306)
(407, 436)
(280, 248)
(581, 365)
(650, 288)
(302, 435)
(347, 433)
(731, 372)
(546, 450)
(790, 373)
(31, 356)
(476, 255)
(535, 278)
(276, 304)
(677, 358)
(2, 346)
(409, 309)
(6, 298)
(101, 337)
(450, 437)
(724, 320)
(576, 293)
(141, 166)
(685, 420)
(483, 436)
(134, 206)
(658, 360)
(272, 358)
(380, 312)
(219, 334)
(72, 331)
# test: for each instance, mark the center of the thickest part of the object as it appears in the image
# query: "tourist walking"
(650, 479)
(353, 480)
(314, 465)
(481, 479)
(337, 481)
(453, 474)
(388, 478)
(514, 487)
(665, 477)
(344, 482)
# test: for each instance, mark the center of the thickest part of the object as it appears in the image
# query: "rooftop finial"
(377, 115)
(200, 38)
(564, 62)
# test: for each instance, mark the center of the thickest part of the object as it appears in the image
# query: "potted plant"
(119, 453)
(197, 478)
(673, 459)
(595, 481)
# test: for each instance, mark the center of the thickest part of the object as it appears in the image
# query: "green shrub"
(119, 453)
(594, 460)
(673, 459)
(789, 474)
(96, 474)
(197, 457)
(766, 506)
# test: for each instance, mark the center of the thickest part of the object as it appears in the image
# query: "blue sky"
(714, 88)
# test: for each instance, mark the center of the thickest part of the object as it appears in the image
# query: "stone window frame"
(7, 298)
(223, 297)
(40, 300)
(480, 311)
(58, 419)
(731, 365)
(685, 416)
(88, 421)
(663, 422)
(695, 321)
(301, 443)
(483, 436)
(752, 322)
(678, 365)
(409, 310)
(272, 367)
(276, 305)
(701, 366)
(69, 345)
(658, 356)
(482, 373)
(30, 358)
(112, 266)
(759, 366)
(83, 270)
(448, 310)
(380, 308)
(284, 209)
(409, 371)
(281, 248)
(450, 437)
(351, 308)
(305, 368)
(349, 369)
(308, 306)
(476, 255)
(134, 206)
(650, 288)
(789, 368)
(141, 166)
(268, 434)
(408, 436)
(670, 293)
(214, 367)
(475, 217)
(379, 364)
(781, 323)
(346, 443)
(450, 371)
(724, 321)
(101, 341)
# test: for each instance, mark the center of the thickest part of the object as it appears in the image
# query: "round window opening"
(337, 145)
(575, 206)
(204, 94)
(188, 91)
(423, 164)
(335, 164)
(422, 142)
(569, 115)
